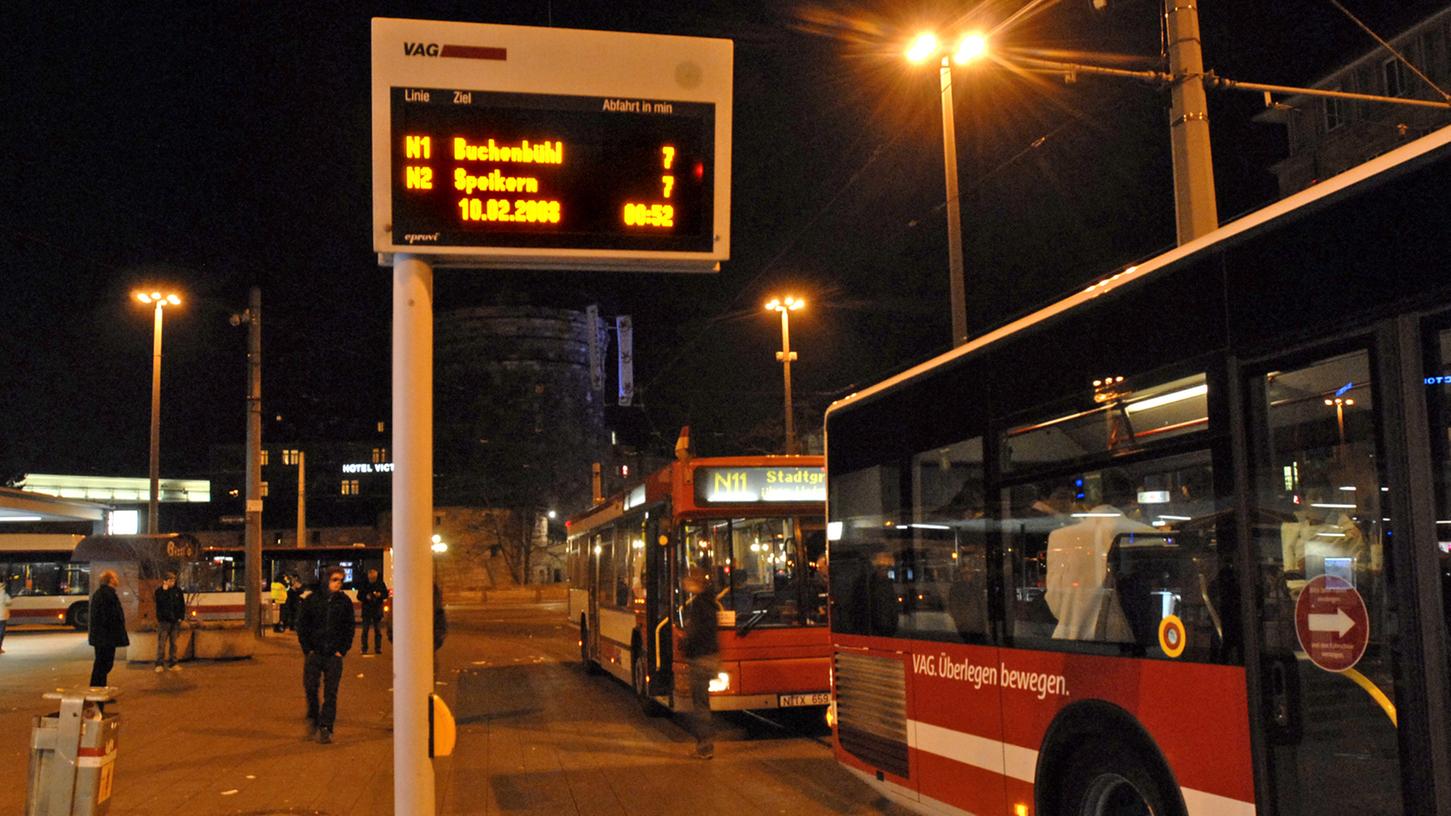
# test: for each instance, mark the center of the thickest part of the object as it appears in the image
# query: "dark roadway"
(536, 735)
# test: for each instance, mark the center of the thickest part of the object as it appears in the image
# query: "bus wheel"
(590, 667)
(79, 616)
(641, 683)
(1108, 780)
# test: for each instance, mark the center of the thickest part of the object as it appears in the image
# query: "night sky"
(213, 146)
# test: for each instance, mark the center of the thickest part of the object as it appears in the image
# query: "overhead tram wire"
(769, 266)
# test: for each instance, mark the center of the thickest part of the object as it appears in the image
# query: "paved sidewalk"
(536, 736)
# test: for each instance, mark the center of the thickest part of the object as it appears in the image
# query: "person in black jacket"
(170, 613)
(701, 649)
(107, 627)
(372, 595)
(325, 631)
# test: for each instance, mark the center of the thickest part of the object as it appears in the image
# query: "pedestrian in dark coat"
(325, 628)
(170, 615)
(293, 603)
(107, 627)
(371, 596)
(701, 649)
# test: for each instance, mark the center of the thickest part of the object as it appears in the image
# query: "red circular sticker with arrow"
(1331, 622)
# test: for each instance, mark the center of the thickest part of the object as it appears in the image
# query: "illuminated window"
(289, 456)
(380, 455)
(262, 459)
(264, 489)
(350, 487)
(382, 427)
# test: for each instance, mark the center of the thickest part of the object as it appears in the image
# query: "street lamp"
(786, 306)
(970, 47)
(160, 301)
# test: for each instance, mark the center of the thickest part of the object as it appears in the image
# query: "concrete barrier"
(143, 646)
(547, 593)
(226, 643)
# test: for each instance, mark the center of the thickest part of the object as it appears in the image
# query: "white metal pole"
(412, 529)
(957, 281)
(786, 374)
(155, 423)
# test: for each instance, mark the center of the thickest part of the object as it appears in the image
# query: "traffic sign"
(1332, 623)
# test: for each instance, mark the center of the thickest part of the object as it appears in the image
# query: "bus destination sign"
(760, 484)
(484, 169)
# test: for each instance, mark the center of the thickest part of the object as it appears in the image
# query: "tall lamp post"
(160, 301)
(969, 48)
(786, 306)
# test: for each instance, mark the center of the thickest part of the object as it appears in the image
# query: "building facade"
(1328, 136)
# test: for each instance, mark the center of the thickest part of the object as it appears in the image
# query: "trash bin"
(73, 755)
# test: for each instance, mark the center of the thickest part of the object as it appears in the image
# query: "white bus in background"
(45, 587)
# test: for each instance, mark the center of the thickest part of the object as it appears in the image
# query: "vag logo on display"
(418, 49)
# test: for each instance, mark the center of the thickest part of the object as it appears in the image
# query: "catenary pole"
(254, 461)
(412, 529)
(1194, 204)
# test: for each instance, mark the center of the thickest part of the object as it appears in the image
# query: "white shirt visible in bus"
(1077, 571)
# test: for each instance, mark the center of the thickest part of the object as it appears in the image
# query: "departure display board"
(476, 168)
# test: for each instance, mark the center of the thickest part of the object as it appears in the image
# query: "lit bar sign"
(760, 484)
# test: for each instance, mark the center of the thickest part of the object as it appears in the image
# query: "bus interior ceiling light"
(1167, 399)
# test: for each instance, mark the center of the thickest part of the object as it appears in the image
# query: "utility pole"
(253, 318)
(1194, 205)
(301, 498)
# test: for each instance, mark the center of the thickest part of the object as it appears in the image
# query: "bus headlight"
(831, 714)
(721, 682)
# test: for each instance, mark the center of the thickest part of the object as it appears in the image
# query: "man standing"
(4, 612)
(325, 632)
(170, 612)
(107, 627)
(701, 649)
(372, 596)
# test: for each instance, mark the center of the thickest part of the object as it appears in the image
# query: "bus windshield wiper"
(755, 618)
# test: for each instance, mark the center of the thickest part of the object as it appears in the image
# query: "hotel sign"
(715, 485)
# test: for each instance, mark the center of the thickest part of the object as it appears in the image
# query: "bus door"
(1332, 617)
(658, 584)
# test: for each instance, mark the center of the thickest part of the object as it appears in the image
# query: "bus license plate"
(793, 700)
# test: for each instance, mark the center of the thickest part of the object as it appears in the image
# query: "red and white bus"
(48, 587)
(1175, 544)
(43, 584)
(755, 524)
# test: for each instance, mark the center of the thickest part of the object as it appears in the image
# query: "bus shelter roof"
(24, 505)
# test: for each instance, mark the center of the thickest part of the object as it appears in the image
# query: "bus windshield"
(763, 569)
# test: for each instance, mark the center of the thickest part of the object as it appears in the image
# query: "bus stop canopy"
(23, 505)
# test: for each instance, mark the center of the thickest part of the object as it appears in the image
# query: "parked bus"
(1170, 545)
(754, 523)
(217, 580)
(45, 587)
(48, 587)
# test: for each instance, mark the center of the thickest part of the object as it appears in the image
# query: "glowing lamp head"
(154, 297)
(786, 304)
(923, 48)
(969, 48)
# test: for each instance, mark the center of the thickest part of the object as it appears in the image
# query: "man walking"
(107, 627)
(701, 649)
(372, 596)
(170, 612)
(325, 632)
